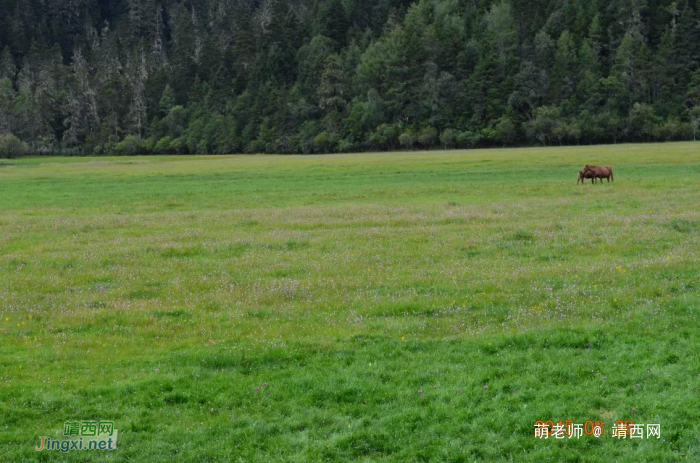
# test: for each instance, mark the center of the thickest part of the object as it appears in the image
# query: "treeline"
(310, 76)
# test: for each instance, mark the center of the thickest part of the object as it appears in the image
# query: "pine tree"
(137, 75)
(565, 65)
(81, 100)
(167, 101)
(8, 68)
(265, 75)
(7, 98)
(333, 22)
(332, 93)
(588, 90)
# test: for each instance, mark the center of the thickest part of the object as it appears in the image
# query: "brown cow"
(600, 172)
(582, 176)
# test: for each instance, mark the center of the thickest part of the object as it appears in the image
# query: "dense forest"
(311, 76)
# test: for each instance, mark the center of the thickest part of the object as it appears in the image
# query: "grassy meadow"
(426, 306)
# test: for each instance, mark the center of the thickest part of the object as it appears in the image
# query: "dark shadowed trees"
(306, 76)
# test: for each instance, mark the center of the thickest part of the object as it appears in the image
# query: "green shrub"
(468, 138)
(130, 146)
(428, 136)
(11, 146)
(178, 146)
(385, 136)
(164, 145)
(407, 140)
(323, 142)
(448, 138)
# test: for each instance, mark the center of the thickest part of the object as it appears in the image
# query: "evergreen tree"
(8, 68)
(333, 22)
(332, 93)
(308, 76)
(564, 75)
(167, 101)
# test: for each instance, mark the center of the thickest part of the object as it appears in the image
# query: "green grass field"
(374, 307)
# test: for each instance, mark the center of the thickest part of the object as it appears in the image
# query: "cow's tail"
(612, 177)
